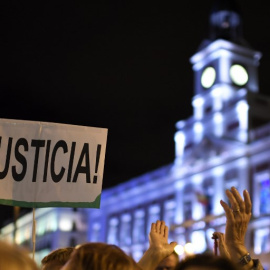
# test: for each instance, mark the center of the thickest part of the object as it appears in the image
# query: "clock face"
(238, 74)
(208, 77)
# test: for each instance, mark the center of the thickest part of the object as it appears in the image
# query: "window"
(230, 175)
(262, 240)
(187, 210)
(261, 200)
(112, 237)
(169, 212)
(95, 234)
(265, 196)
(187, 201)
(139, 227)
(199, 242)
(179, 236)
(41, 228)
(125, 230)
(52, 225)
(153, 215)
(231, 178)
(188, 189)
(208, 192)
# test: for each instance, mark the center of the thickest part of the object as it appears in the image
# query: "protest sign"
(51, 165)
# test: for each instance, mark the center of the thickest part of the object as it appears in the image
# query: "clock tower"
(226, 103)
(225, 58)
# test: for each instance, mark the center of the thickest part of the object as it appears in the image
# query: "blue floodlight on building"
(226, 142)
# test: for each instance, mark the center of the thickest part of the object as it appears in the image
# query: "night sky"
(121, 65)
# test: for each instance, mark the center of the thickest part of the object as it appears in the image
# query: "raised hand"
(159, 248)
(158, 238)
(238, 215)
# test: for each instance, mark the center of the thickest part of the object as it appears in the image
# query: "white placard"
(48, 164)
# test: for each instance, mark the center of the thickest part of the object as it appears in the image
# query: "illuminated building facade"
(55, 227)
(226, 142)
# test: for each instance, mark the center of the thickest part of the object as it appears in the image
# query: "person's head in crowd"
(56, 259)
(206, 262)
(96, 256)
(169, 262)
(13, 257)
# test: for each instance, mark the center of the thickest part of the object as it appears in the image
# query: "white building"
(55, 227)
(226, 142)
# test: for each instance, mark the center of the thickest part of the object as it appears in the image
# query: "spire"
(225, 22)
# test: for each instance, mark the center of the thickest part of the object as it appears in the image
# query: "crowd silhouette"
(232, 253)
